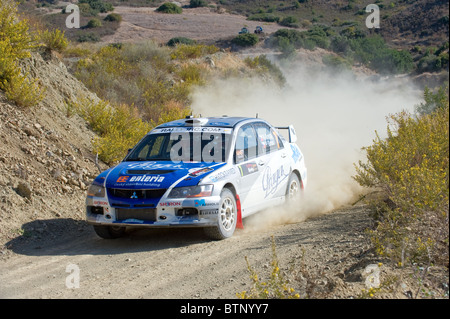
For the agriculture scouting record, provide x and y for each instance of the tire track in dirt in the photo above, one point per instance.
(164, 263)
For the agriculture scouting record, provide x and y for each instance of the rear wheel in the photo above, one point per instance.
(109, 232)
(227, 217)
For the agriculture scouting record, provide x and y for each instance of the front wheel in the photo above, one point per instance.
(109, 232)
(227, 217)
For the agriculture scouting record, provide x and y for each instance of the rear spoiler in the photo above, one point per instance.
(291, 131)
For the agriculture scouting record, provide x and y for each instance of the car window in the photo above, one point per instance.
(246, 144)
(268, 140)
(206, 147)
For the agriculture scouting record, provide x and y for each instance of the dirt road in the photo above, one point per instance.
(183, 263)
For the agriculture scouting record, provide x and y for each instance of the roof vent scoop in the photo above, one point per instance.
(196, 121)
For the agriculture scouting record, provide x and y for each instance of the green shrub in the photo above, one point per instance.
(88, 37)
(98, 5)
(373, 52)
(180, 40)
(245, 40)
(261, 62)
(94, 23)
(336, 63)
(197, 3)
(410, 169)
(113, 17)
(169, 7)
(289, 21)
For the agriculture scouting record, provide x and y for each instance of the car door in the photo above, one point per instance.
(245, 156)
(272, 163)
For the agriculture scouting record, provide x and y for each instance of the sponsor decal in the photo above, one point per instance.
(147, 178)
(270, 181)
(199, 202)
(248, 168)
(209, 212)
(154, 165)
(141, 178)
(223, 174)
(295, 153)
(100, 203)
(202, 202)
(195, 172)
(122, 179)
(170, 204)
(192, 129)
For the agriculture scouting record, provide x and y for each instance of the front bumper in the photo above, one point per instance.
(188, 212)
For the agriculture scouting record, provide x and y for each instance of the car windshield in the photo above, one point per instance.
(185, 147)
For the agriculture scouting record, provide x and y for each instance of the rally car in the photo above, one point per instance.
(198, 172)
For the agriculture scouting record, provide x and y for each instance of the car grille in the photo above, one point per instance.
(137, 193)
(145, 214)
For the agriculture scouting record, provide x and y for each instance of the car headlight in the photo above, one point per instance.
(96, 190)
(191, 191)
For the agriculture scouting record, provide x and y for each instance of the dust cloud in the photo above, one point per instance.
(335, 115)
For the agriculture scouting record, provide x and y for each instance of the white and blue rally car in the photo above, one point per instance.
(198, 172)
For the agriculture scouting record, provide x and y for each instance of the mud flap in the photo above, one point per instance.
(239, 223)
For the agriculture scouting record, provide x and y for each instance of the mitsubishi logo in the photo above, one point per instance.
(134, 195)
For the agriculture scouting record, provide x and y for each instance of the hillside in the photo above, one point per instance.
(46, 160)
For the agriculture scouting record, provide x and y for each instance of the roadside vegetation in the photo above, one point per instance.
(409, 172)
(16, 44)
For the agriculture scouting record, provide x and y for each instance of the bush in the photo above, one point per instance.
(245, 40)
(180, 40)
(113, 17)
(336, 63)
(16, 44)
(410, 169)
(94, 23)
(169, 7)
(289, 22)
(316, 36)
(119, 127)
(54, 40)
(98, 5)
(374, 52)
(262, 63)
(186, 51)
(197, 3)
(88, 37)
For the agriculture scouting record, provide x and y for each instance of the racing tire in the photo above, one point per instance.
(226, 219)
(109, 232)
(294, 190)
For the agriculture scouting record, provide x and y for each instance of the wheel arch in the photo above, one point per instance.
(231, 187)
